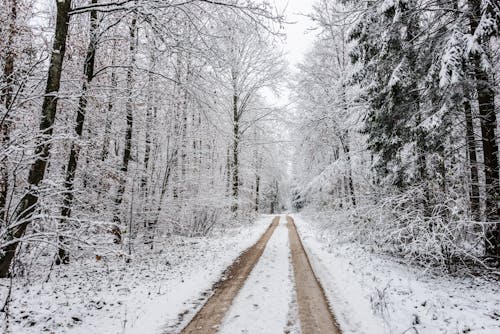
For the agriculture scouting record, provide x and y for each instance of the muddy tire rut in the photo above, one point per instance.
(314, 312)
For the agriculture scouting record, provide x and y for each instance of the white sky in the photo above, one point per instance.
(298, 39)
(298, 42)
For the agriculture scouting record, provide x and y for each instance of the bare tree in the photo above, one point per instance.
(29, 201)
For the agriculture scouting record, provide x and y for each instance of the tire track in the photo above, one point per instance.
(210, 316)
(314, 312)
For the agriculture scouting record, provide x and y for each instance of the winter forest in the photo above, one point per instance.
(163, 160)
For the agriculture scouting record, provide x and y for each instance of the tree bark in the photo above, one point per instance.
(236, 142)
(27, 206)
(68, 195)
(108, 123)
(7, 99)
(235, 162)
(350, 183)
(127, 152)
(344, 139)
(147, 143)
(471, 149)
(486, 100)
(257, 192)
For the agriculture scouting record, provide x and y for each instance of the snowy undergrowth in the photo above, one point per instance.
(109, 295)
(374, 293)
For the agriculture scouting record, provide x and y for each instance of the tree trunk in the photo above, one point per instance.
(147, 143)
(26, 207)
(177, 128)
(471, 149)
(228, 171)
(350, 183)
(68, 196)
(421, 147)
(7, 99)
(486, 100)
(236, 142)
(108, 123)
(257, 192)
(164, 186)
(235, 162)
(128, 133)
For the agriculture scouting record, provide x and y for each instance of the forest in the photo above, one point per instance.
(401, 131)
(143, 139)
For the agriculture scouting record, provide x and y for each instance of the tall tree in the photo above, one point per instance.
(29, 201)
(484, 19)
(129, 109)
(88, 72)
(6, 99)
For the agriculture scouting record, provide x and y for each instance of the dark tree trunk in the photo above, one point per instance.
(274, 197)
(471, 149)
(68, 196)
(164, 187)
(349, 183)
(340, 193)
(415, 106)
(26, 207)
(147, 150)
(257, 192)
(127, 152)
(7, 99)
(486, 101)
(344, 138)
(421, 147)
(236, 142)
(109, 119)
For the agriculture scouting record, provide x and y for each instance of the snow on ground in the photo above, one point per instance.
(372, 293)
(262, 305)
(111, 296)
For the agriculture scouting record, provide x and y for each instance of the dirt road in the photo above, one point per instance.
(313, 310)
(209, 318)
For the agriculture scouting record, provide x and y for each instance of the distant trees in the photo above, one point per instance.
(249, 63)
(328, 130)
(422, 82)
(133, 137)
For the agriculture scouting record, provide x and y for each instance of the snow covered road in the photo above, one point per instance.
(300, 279)
(267, 300)
(262, 304)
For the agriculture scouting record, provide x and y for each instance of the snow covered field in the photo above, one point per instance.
(110, 296)
(371, 293)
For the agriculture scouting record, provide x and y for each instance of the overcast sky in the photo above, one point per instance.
(298, 40)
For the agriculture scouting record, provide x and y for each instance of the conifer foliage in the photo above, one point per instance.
(422, 86)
